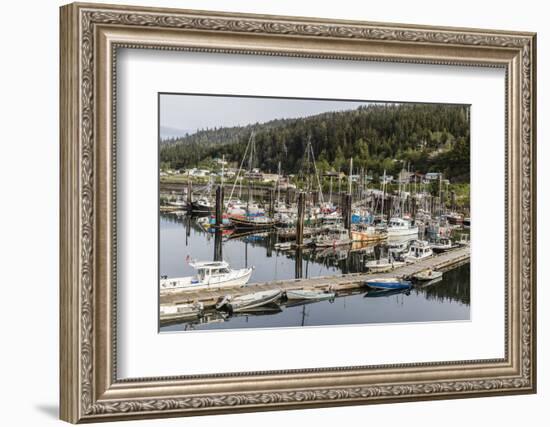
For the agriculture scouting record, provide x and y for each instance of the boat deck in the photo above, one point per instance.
(442, 262)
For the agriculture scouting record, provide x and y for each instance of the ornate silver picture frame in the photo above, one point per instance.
(90, 36)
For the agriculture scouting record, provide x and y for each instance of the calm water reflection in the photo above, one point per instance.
(182, 240)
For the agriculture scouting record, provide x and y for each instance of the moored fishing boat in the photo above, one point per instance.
(202, 205)
(336, 237)
(455, 218)
(398, 227)
(290, 233)
(443, 245)
(419, 250)
(252, 221)
(210, 275)
(179, 203)
(391, 283)
(368, 234)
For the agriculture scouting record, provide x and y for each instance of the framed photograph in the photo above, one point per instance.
(267, 212)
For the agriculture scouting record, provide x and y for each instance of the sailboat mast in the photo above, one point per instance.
(223, 163)
(316, 175)
(279, 183)
(350, 173)
(383, 192)
(241, 167)
(440, 197)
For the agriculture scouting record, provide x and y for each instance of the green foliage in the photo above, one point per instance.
(382, 136)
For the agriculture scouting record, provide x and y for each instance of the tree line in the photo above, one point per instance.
(428, 137)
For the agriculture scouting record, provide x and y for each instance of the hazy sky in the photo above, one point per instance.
(180, 114)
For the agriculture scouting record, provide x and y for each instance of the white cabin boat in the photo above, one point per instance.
(443, 245)
(401, 227)
(202, 205)
(419, 249)
(179, 203)
(210, 275)
(398, 245)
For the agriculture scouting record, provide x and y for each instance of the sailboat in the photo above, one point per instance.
(248, 215)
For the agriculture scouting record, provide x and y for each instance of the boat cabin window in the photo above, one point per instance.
(219, 271)
(201, 273)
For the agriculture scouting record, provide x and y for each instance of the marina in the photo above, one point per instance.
(266, 229)
(332, 274)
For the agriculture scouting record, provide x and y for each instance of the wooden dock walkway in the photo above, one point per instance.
(209, 297)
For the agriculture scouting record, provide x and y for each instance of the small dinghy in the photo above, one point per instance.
(382, 265)
(248, 301)
(391, 283)
(309, 294)
(427, 275)
(181, 311)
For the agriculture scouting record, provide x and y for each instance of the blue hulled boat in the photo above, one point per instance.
(388, 284)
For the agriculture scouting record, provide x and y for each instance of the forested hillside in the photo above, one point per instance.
(380, 136)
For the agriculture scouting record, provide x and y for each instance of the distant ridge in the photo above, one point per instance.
(167, 133)
(377, 136)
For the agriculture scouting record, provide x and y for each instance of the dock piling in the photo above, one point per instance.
(271, 210)
(219, 206)
(300, 220)
(347, 212)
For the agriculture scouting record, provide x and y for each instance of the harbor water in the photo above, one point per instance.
(182, 240)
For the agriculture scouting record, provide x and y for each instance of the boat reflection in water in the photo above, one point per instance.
(182, 240)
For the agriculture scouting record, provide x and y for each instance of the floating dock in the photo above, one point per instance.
(208, 297)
